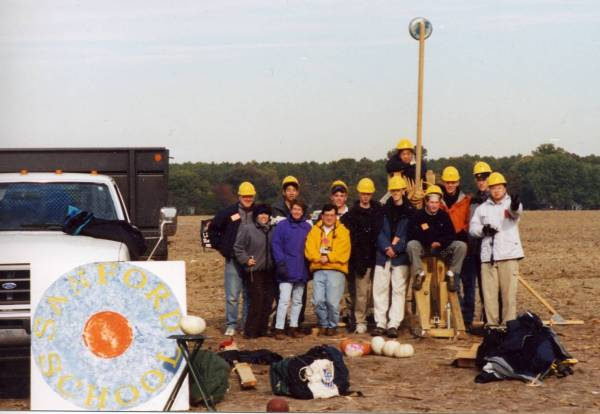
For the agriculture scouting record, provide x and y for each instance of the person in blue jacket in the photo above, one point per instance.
(391, 261)
(287, 245)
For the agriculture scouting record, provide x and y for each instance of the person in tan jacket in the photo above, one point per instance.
(327, 250)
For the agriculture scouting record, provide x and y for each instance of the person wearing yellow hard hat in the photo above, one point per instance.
(472, 263)
(496, 222)
(222, 232)
(364, 222)
(458, 206)
(455, 202)
(391, 261)
(402, 160)
(290, 189)
(431, 232)
(338, 195)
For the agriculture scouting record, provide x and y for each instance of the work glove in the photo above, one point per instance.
(488, 230)
(515, 200)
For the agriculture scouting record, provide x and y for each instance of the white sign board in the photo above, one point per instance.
(99, 335)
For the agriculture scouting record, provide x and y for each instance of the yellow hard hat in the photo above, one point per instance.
(405, 143)
(433, 189)
(246, 189)
(366, 185)
(290, 179)
(450, 174)
(481, 167)
(496, 178)
(397, 182)
(338, 183)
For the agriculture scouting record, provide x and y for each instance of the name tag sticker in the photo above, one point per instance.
(235, 217)
(425, 226)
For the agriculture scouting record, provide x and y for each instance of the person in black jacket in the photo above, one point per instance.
(364, 220)
(290, 190)
(431, 232)
(222, 233)
(472, 263)
(402, 161)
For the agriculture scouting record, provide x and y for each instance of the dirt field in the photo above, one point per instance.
(562, 262)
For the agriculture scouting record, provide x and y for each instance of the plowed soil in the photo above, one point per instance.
(562, 263)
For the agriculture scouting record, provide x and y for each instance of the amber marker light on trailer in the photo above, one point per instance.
(23, 172)
(158, 157)
(94, 172)
(58, 172)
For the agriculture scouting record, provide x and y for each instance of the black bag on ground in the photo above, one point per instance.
(84, 223)
(526, 350)
(286, 378)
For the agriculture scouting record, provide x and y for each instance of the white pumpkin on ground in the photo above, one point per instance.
(377, 344)
(192, 325)
(390, 348)
(404, 351)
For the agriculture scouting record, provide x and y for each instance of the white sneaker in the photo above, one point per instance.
(361, 328)
(230, 331)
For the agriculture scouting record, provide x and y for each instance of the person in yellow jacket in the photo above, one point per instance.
(327, 250)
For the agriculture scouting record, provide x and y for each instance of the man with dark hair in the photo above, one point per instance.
(364, 220)
(328, 252)
(402, 162)
(339, 196)
(290, 188)
(472, 263)
(222, 233)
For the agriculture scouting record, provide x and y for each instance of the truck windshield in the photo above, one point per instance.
(43, 206)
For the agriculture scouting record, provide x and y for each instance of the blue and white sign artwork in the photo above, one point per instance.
(99, 336)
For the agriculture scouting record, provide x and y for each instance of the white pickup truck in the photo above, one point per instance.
(33, 207)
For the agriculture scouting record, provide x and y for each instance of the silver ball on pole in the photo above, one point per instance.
(414, 27)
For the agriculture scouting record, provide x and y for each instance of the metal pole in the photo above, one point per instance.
(419, 154)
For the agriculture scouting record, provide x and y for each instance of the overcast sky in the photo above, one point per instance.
(299, 80)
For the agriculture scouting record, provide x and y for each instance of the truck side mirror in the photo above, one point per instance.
(168, 220)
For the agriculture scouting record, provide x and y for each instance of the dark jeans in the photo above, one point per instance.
(471, 272)
(261, 293)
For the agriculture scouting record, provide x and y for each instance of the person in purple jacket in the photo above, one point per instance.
(287, 247)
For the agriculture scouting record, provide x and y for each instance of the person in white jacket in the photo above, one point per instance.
(497, 221)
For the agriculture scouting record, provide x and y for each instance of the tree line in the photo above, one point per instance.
(548, 178)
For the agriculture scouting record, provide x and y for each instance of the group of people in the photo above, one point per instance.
(368, 252)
